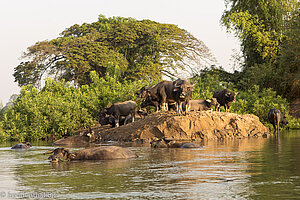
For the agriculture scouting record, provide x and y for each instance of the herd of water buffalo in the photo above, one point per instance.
(175, 95)
(164, 96)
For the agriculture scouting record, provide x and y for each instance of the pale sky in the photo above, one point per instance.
(25, 22)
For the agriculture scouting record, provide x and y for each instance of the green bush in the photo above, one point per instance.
(59, 108)
(205, 86)
(49, 114)
(259, 102)
(254, 100)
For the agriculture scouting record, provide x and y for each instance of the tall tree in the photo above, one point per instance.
(258, 24)
(290, 58)
(139, 49)
(263, 29)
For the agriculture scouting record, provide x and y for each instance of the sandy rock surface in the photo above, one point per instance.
(195, 126)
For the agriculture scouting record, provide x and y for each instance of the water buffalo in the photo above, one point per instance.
(112, 121)
(276, 118)
(201, 105)
(165, 143)
(22, 145)
(121, 109)
(82, 139)
(167, 92)
(224, 98)
(95, 153)
(141, 93)
(149, 102)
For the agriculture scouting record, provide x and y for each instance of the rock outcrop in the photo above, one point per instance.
(195, 126)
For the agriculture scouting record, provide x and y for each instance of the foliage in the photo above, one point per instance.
(259, 101)
(141, 49)
(269, 34)
(258, 25)
(208, 81)
(290, 59)
(255, 100)
(59, 108)
(259, 44)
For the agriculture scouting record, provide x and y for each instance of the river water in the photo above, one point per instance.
(256, 168)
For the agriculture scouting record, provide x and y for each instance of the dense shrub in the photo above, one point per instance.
(59, 108)
(255, 100)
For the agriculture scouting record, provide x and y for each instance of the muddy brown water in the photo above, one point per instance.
(256, 168)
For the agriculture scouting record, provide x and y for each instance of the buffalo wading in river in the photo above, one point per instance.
(96, 153)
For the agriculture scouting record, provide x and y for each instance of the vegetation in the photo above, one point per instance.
(140, 49)
(254, 100)
(269, 34)
(94, 65)
(59, 108)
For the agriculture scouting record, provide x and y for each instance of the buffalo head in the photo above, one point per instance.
(142, 92)
(183, 87)
(22, 145)
(60, 154)
(213, 102)
(160, 143)
(230, 96)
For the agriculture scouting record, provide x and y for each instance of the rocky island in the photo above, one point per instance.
(195, 126)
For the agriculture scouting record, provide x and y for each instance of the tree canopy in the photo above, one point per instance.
(259, 25)
(138, 49)
(268, 31)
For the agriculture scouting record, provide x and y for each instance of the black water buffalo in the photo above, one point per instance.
(141, 93)
(22, 145)
(276, 118)
(95, 153)
(83, 139)
(112, 121)
(149, 102)
(224, 98)
(121, 109)
(168, 92)
(164, 143)
(201, 105)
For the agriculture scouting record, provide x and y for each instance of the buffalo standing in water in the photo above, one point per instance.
(96, 153)
(276, 118)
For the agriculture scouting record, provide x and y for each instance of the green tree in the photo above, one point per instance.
(290, 58)
(141, 49)
(261, 27)
(258, 24)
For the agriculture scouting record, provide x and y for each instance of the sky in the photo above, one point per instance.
(23, 23)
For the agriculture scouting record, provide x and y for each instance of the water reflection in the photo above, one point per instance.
(256, 168)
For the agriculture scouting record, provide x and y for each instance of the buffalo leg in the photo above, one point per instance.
(217, 107)
(117, 121)
(274, 129)
(133, 116)
(277, 127)
(127, 118)
(226, 108)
